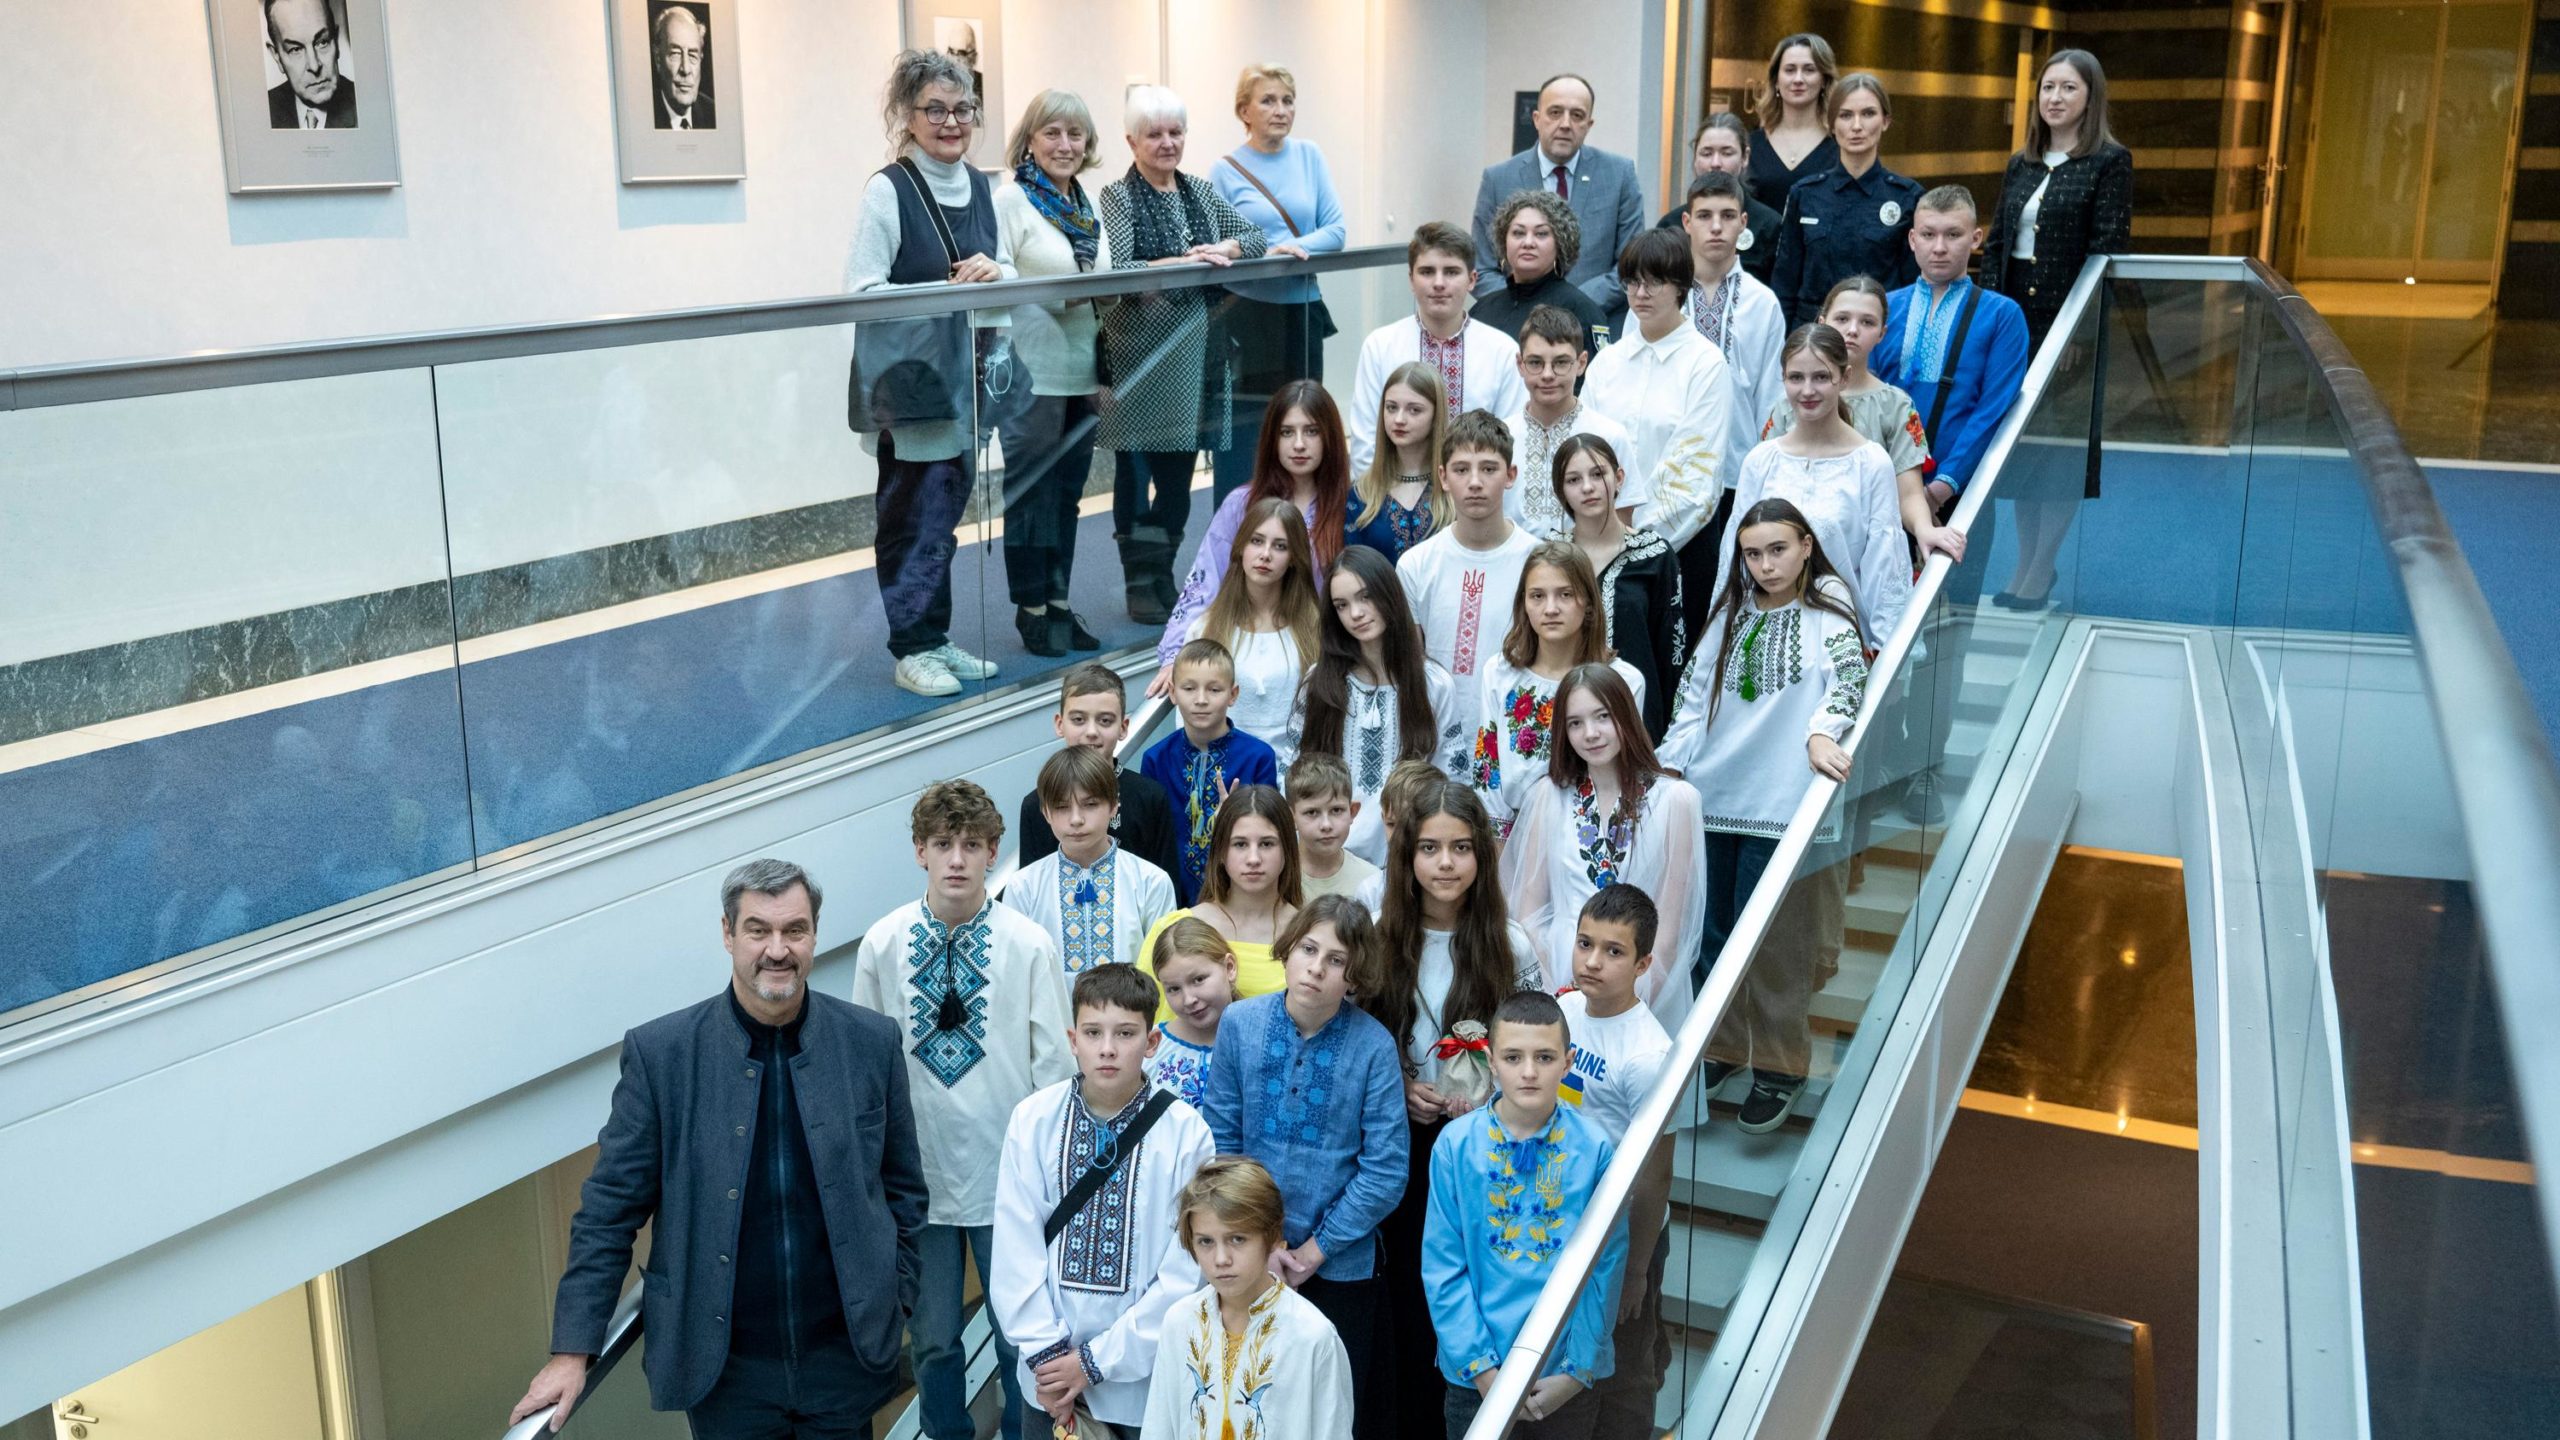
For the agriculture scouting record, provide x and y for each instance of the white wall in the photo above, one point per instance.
(511, 211)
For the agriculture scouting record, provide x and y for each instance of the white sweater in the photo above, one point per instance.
(1054, 341)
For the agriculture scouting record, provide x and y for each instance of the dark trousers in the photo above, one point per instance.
(1275, 344)
(1698, 577)
(1150, 508)
(1410, 1371)
(1048, 452)
(1459, 1404)
(920, 505)
(823, 1395)
(1353, 1306)
(1734, 863)
(1642, 1348)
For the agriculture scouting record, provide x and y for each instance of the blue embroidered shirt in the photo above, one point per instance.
(1988, 373)
(1500, 1212)
(1193, 778)
(1323, 1113)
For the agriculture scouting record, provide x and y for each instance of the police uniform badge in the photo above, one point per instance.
(1743, 243)
(1890, 212)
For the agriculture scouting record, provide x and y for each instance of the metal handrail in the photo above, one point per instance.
(2506, 783)
(620, 1338)
(1528, 1352)
(82, 384)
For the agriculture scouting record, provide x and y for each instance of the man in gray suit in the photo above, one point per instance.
(1601, 187)
(766, 1131)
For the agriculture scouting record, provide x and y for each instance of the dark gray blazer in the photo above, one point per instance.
(675, 1149)
(1605, 197)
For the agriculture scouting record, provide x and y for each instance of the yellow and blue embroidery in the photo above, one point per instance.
(1524, 1195)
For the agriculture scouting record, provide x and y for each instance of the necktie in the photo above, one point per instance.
(1564, 191)
(684, 122)
(312, 119)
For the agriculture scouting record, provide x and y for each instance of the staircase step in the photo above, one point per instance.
(1703, 1270)
(1717, 1167)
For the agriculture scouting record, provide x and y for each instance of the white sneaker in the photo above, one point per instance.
(925, 674)
(961, 663)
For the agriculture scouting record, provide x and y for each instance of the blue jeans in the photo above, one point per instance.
(942, 1367)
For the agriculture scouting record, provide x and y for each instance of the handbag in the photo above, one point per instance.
(1325, 328)
(905, 372)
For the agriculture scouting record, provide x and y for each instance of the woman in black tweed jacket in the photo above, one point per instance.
(2066, 197)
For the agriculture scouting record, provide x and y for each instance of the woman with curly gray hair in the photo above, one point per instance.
(1540, 240)
(928, 218)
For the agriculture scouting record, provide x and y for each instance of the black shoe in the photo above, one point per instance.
(1168, 589)
(1771, 1097)
(1078, 637)
(1713, 1074)
(1144, 607)
(1040, 632)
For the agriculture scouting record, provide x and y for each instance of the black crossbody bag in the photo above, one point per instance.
(1081, 1193)
(1946, 384)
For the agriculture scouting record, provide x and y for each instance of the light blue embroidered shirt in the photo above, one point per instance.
(1500, 1212)
(1323, 1113)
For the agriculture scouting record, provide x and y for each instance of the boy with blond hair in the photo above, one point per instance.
(1321, 803)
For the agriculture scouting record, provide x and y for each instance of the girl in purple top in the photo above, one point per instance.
(1302, 458)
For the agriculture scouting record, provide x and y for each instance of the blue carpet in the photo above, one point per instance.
(124, 857)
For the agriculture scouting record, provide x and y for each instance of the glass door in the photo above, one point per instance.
(2413, 140)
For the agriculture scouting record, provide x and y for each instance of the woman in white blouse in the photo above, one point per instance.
(1049, 223)
(1840, 479)
(1556, 623)
(1266, 614)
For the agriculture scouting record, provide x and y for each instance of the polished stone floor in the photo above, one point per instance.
(2476, 389)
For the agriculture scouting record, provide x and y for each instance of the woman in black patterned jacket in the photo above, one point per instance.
(2066, 197)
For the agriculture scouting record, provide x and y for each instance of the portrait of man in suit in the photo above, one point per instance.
(680, 67)
(308, 40)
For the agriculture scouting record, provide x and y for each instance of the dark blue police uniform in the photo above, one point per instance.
(1837, 225)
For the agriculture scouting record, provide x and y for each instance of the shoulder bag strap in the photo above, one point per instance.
(1947, 365)
(1255, 181)
(1082, 1192)
(932, 208)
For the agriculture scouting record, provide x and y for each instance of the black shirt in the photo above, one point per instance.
(1770, 178)
(1144, 825)
(786, 1300)
(1757, 251)
(1508, 308)
(1837, 225)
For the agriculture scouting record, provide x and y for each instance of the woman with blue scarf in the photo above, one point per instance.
(1049, 222)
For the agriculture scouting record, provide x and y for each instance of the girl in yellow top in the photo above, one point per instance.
(1252, 889)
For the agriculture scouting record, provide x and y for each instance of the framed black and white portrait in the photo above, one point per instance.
(675, 91)
(968, 31)
(305, 92)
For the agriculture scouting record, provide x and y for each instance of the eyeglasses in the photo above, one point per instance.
(1649, 285)
(966, 113)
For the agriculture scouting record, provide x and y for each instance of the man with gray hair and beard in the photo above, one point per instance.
(766, 1131)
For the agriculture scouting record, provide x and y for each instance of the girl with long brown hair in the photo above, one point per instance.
(1771, 694)
(1612, 813)
(1301, 458)
(1251, 892)
(1398, 501)
(1833, 471)
(1267, 615)
(1373, 697)
(1556, 624)
(1451, 953)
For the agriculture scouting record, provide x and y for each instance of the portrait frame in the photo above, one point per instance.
(274, 140)
(947, 25)
(652, 147)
